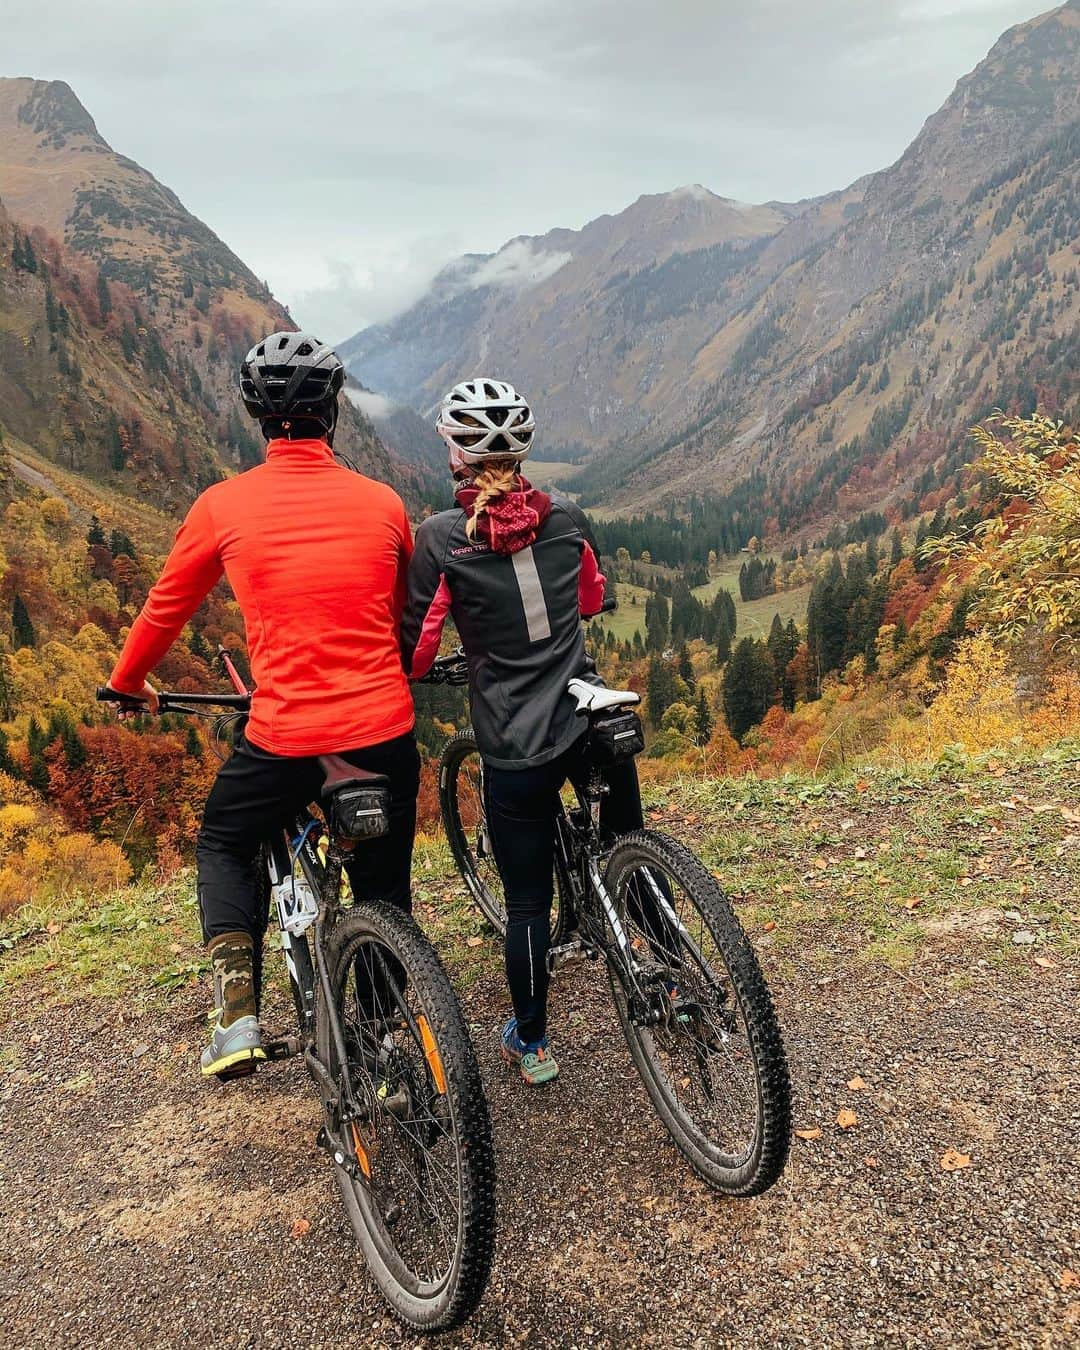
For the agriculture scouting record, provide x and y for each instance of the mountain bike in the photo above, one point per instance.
(380, 1031)
(688, 990)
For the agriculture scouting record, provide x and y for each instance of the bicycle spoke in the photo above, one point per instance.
(696, 1052)
(416, 1192)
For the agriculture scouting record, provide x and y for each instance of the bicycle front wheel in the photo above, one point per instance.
(698, 1016)
(421, 1198)
(464, 817)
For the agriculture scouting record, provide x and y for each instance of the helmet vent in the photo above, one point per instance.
(491, 391)
(283, 342)
(305, 349)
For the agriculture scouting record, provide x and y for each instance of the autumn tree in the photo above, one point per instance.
(1024, 561)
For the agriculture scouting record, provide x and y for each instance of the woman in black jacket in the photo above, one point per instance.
(517, 570)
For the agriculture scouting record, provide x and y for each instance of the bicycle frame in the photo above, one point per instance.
(592, 912)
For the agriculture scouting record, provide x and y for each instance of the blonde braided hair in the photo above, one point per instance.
(495, 480)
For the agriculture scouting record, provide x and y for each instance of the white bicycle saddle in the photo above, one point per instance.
(595, 697)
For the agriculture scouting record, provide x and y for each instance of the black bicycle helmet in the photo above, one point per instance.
(290, 378)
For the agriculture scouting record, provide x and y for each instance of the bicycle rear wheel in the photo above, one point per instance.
(423, 1210)
(713, 1060)
(464, 817)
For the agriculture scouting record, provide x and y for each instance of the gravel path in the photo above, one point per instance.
(140, 1206)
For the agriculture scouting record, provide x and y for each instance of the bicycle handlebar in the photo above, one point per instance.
(174, 702)
(452, 669)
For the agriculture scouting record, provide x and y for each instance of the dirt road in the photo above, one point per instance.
(143, 1207)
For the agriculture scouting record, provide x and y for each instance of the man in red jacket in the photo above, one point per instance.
(316, 556)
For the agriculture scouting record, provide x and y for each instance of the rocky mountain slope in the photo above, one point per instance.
(558, 311)
(122, 316)
(837, 349)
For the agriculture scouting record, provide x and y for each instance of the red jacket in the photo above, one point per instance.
(317, 557)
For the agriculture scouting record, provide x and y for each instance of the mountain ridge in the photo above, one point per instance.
(682, 377)
(157, 312)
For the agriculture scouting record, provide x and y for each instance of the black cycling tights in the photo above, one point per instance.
(257, 792)
(521, 819)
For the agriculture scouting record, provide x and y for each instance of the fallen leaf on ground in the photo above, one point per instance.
(860, 853)
(300, 1227)
(1068, 1279)
(808, 1134)
(952, 1160)
(861, 784)
(53, 928)
(768, 925)
(473, 941)
(1046, 963)
(856, 1084)
(846, 1119)
(870, 1161)
(966, 881)
(913, 902)
(820, 864)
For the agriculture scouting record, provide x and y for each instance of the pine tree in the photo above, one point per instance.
(897, 550)
(95, 535)
(703, 719)
(661, 689)
(749, 680)
(120, 543)
(686, 667)
(103, 296)
(193, 745)
(7, 764)
(199, 647)
(22, 630)
(74, 750)
(657, 623)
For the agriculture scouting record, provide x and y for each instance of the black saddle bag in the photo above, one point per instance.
(616, 736)
(360, 811)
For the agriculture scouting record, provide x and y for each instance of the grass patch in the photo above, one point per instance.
(142, 941)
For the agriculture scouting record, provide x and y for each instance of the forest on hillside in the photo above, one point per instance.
(959, 633)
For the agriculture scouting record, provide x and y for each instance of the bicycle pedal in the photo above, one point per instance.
(558, 957)
(283, 1048)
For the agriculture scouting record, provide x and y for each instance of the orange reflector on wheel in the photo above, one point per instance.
(431, 1054)
(361, 1152)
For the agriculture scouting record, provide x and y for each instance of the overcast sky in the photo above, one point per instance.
(345, 149)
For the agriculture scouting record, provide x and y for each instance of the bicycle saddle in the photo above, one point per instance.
(339, 773)
(593, 698)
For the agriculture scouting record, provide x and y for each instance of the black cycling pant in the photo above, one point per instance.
(257, 793)
(520, 808)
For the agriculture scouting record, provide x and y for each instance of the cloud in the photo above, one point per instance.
(376, 406)
(517, 266)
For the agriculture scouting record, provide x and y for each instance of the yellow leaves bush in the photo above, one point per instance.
(1025, 560)
(38, 861)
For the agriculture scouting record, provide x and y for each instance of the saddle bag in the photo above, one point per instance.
(360, 811)
(616, 736)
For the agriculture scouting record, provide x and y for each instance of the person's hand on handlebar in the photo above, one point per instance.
(148, 694)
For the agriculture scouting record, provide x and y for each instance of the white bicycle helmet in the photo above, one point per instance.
(484, 419)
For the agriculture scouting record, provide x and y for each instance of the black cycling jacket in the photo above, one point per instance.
(519, 619)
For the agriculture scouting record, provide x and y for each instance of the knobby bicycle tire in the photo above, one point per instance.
(772, 1135)
(456, 1296)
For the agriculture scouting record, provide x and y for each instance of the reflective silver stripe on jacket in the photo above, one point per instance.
(532, 595)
